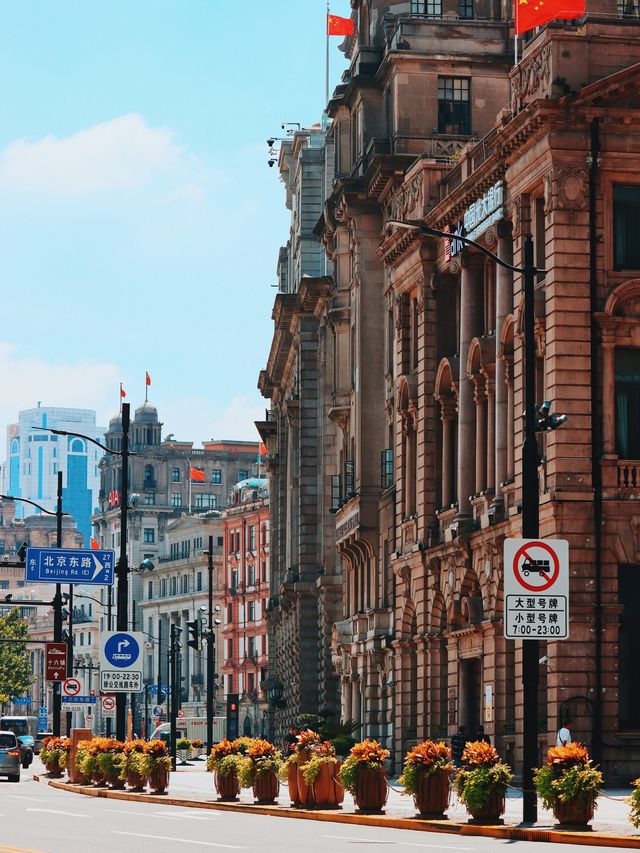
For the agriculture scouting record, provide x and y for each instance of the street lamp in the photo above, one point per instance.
(57, 598)
(212, 622)
(535, 419)
(122, 568)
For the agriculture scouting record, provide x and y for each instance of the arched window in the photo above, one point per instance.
(15, 446)
(76, 445)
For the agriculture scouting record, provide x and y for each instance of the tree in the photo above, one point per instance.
(15, 664)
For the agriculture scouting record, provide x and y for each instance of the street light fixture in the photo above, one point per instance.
(122, 568)
(535, 419)
(57, 598)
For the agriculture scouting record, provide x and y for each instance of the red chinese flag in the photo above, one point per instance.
(196, 475)
(534, 13)
(337, 26)
(123, 393)
(148, 379)
(262, 449)
(95, 545)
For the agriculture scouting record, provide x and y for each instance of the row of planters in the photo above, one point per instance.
(189, 749)
(107, 761)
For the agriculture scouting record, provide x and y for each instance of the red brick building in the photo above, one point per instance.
(246, 592)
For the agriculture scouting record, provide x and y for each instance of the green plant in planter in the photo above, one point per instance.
(481, 776)
(183, 744)
(368, 754)
(322, 753)
(262, 757)
(426, 757)
(111, 761)
(227, 757)
(634, 802)
(568, 777)
(343, 744)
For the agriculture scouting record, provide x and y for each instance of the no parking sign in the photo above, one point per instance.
(536, 589)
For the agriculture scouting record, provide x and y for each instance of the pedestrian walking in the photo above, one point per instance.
(458, 742)
(290, 740)
(564, 735)
(482, 735)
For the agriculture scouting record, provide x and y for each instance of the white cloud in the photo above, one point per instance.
(119, 154)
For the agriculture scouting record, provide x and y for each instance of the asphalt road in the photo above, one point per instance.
(35, 817)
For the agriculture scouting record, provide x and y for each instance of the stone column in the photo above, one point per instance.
(481, 432)
(508, 378)
(608, 398)
(490, 391)
(471, 313)
(504, 307)
(447, 413)
(347, 700)
(356, 705)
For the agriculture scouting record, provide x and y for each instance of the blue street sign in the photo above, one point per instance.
(78, 700)
(61, 565)
(43, 710)
(21, 700)
(43, 722)
(121, 650)
(153, 690)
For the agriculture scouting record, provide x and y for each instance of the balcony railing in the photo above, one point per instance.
(629, 474)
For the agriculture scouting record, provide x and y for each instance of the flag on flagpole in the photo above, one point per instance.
(262, 450)
(196, 475)
(337, 26)
(148, 379)
(94, 544)
(123, 393)
(534, 13)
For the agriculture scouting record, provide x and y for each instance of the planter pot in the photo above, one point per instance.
(491, 811)
(98, 778)
(338, 787)
(305, 794)
(136, 781)
(292, 782)
(371, 789)
(183, 755)
(574, 813)
(326, 791)
(53, 766)
(266, 787)
(228, 787)
(159, 780)
(432, 794)
(117, 784)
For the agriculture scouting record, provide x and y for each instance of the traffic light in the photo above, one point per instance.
(193, 629)
(233, 715)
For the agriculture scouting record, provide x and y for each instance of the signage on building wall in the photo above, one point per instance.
(536, 589)
(480, 214)
(113, 498)
(70, 565)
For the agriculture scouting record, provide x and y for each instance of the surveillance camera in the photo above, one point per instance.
(270, 142)
(146, 566)
(203, 607)
(544, 409)
(271, 162)
(134, 500)
(217, 608)
(217, 622)
(544, 659)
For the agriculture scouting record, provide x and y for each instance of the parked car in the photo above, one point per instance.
(9, 756)
(26, 743)
(39, 738)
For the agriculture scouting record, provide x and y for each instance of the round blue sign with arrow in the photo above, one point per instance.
(122, 650)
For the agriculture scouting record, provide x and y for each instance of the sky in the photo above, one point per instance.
(139, 221)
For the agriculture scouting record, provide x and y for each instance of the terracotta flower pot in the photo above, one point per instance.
(338, 787)
(159, 779)
(492, 809)
(53, 766)
(326, 790)
(98, 777)
(371, 789)
(266, 787)
(432, 794)
(136, 781)
(228, 787)
(292, 783)
(574, 813)
(305, 794)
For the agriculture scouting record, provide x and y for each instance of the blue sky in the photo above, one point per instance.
(139, 222)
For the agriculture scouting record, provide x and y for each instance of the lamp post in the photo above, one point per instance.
(211, 650)
(530, 498)
(57, 598)
(122, 568)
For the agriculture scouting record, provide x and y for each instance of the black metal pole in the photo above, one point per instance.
(159, 694)
(70, 653)
(530, 530)
(211, 661)
(109, 625)
(122, 570)
(173, 657)
(133, 695)
(57, 611)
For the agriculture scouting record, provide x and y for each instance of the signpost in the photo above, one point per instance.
(121, 661)
(73, 695)
(88, 718)
(108, 706)
(157, 711)
(55, 661)
(536, 589)
(62, 565)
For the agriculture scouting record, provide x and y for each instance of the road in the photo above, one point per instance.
(35, 817)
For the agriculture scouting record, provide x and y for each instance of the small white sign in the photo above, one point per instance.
(536, 589)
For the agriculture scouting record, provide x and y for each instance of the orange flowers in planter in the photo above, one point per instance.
(479, 754)
(572, 753)
(222, 749)
(261, 749)
(307, 739)
(156, 748)
(369, 752)
(428, 754)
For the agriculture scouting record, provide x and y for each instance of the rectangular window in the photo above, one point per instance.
(230, 649)
(628, 9)
(243, 475)
(229, 614)
(176, 499)
(149, 535)
(234, 579)
(149, 499)
(251, 575)
(465, 9)
(430, 8)
(251, 615)
(627, 402)
(454, 106)
(251, 651)
(185, 584)
(626, 214)
(199, 582)
(216, 476)
(386, 468)
(163, 588)
(175, 475)
(174, 586)
(629, 646)
(149, 590)
(252, 537)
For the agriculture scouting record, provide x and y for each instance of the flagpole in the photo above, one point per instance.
(189, 508)
(326, 79)
(515, 48)
(121, 398)
(146, 389)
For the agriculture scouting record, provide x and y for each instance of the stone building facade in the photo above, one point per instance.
(431, 123)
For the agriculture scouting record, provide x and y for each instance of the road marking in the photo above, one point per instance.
(403, 843)
(178, 816)
(18, 797)
(57, 811)
(179, 840)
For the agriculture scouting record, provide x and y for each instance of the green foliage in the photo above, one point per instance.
(475, 786)
(183, 744)
(311, 769)
(228, 765)
(111, 764)
(136, 762)
(343, 744)
(575, 783)
(328, 728)
(409, 778)
(634, 802)
(15, 665)
(349, 773)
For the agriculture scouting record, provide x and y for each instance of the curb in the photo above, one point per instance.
(515, 833)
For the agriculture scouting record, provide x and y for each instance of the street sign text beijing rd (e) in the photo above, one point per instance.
(121, 661)
(536, 589)
(60, 565)
(56, 661)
